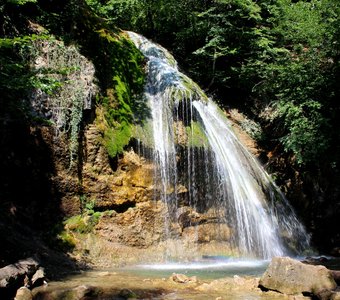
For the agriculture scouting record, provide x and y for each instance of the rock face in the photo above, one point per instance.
(292, 277)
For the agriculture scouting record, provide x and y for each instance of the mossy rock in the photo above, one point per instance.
(82, 223)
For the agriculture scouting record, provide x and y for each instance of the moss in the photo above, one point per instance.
(193, 90)
(83, 223)
(59, 238)
(122, 103)
(118, 63)
(196, 135)
(66, 241)
(75, 223)
(144, 133)
(115, 139)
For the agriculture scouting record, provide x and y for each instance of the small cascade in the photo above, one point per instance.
(197, 154)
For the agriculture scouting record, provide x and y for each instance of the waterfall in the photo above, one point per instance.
(195, 149)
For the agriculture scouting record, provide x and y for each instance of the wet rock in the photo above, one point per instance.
(292, 277)
(181, 278)
(127, 294)
(235, 284)
(82, 292)
(23, 294)
(205, 233)
(315, 260)
(130, 183)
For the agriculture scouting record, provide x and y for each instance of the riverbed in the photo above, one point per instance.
(209, 279)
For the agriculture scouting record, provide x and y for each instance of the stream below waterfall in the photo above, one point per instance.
(224, 280)
(210, 278)
(216, 278)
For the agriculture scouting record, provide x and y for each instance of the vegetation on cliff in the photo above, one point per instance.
(276, 60)
(48, 63)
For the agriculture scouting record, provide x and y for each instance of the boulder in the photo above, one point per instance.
(23, 294)
(18, 274)
(181, 278)
(292, 277)
(336, 276)
(82, 292)
(127, 294)
(38, 278)
(335, 295)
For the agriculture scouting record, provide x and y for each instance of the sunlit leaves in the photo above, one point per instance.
(21, 2)
(269, 52)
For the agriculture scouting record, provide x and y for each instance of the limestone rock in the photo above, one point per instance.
(181, 278)
(23, 294)
(335, 295)
(234, 284)
(205, 233)
(336, 276)
(38, 277)
(16, 275)
(292, 277)
(137, 227)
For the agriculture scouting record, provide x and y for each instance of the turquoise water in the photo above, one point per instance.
(151, 281)
(205, 269)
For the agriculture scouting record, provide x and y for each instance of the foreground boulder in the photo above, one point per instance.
(23, 273)
(289, 276)
(82, 292)
(23, 294)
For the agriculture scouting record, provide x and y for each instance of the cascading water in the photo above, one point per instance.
(220, 176)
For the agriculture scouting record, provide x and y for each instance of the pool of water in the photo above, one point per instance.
(212, 268)
(215, 280)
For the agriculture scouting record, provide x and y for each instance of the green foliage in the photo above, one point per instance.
(115, 139)
(83, 223)
(17, 75)
(65, 241)
(60, 239)
(306, 137)
(278, 53)
(295, 79)
(58, 79)
(21, 2)
(123, 105)
(253, 129)
(299, 23)
(119, 68)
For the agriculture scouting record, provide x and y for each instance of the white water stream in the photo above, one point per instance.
(224, 176)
